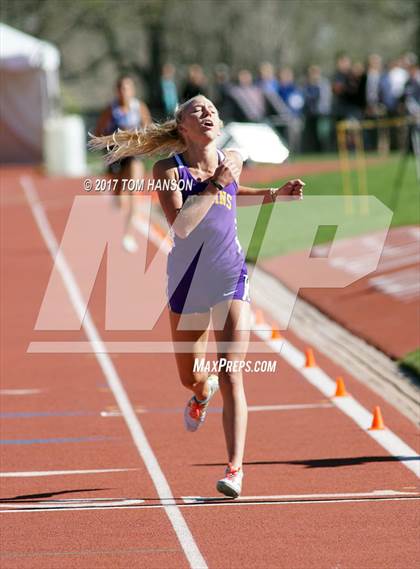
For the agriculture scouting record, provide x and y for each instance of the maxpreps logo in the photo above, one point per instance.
(201, 365)
(90, 257)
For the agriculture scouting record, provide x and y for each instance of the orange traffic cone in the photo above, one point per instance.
(377, 422)
(340, 390)
(259, 317)
(275, 333)
(310, 358)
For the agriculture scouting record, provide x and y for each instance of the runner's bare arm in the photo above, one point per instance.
(103, 122)
(292, 190)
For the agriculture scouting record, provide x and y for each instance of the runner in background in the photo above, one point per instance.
(126, 112)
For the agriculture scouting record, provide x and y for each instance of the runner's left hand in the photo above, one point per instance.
(292, 190)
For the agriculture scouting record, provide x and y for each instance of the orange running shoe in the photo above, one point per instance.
(196, 411)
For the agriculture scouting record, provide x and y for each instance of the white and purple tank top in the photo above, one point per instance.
(215, 237)
(125, 120)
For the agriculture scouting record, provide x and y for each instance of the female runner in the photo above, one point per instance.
(126, 112)
(207, 275)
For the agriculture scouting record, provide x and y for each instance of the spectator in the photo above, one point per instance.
(398, 76)
(411, 106)
(289, 92)
(385, 95)
(249, 98)
(375, 86)
(168, 90)
(411, 93)
(196, 83)
(267, 80)
(223, 92)
(357, 89)
(294, 101)
(317, 108)
(375, 91)
(344, 88)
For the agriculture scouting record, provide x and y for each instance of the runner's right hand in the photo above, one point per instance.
(226, 172)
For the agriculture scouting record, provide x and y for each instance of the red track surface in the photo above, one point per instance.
(386, 319)
(306, 451)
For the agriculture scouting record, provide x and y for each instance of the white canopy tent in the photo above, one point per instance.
(29, 90)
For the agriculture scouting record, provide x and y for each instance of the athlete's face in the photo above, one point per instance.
(200, 120)
(126, 90)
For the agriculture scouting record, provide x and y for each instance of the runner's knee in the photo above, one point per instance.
(191, 379)
(230, 379)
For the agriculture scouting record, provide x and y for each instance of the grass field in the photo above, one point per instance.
(297, 225)
(291, 226)
(412, 362)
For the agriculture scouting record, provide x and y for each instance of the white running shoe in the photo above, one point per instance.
(195, 412)
(231, 484)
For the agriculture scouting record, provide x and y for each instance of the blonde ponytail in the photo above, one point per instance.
(155, 139)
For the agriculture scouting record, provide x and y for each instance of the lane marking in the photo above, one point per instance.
(55, 440)
(348, 405)
(71, 505)
(125, 551)
(319, 379)
(403, 250)
(20, 391)
(402, 285)
(128, 347)
(58, 501)
(36, 474)
(32, 414)
(251, 409)
(210, 503)
(289, 407)
(282, 497)
(184, 535)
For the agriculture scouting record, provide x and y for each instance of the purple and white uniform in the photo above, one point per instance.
(208, 266)
(124, 120)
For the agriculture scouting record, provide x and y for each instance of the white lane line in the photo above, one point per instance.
(211, 503)
(317, 377)
(36, 474)
(143, 347)
(251, 409)
(19, 391)
(70, 505)
(86, 552)
(280, 497)
(352, 408)
(185, 537)
(289, 407)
